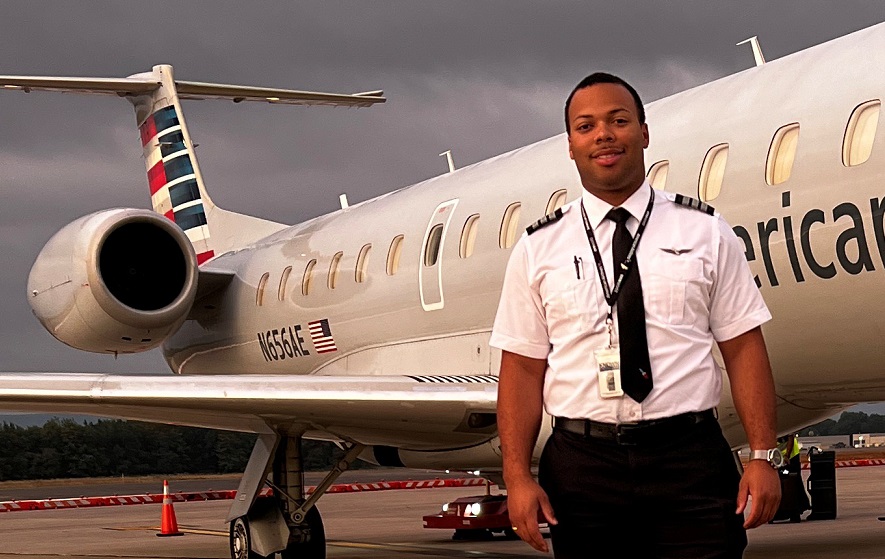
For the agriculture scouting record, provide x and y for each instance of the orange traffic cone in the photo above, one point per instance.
(168, 524)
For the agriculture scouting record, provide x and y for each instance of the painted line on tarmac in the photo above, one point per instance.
(182, 529)
(424, 550)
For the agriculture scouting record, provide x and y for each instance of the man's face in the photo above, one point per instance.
(607, 141)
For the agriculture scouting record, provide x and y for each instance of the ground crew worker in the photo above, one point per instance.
(791, 448)
(794, 499)
(608, 314)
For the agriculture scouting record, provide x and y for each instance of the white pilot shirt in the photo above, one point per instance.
(697, 288)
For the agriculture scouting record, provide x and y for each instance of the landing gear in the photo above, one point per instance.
(305, 541)
(240, 540)
(310, 543)
(288, 522)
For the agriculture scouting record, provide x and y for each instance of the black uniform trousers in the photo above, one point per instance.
(659, 499)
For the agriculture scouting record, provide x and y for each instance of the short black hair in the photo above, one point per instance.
(602, 77)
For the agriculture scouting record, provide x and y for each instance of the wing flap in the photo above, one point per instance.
(396, 411)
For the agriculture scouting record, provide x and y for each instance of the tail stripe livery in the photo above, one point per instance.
(169, 169)
(158, 122)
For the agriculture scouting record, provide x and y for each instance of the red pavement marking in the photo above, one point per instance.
(157, 498)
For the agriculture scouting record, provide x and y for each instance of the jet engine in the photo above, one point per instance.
(116, 281)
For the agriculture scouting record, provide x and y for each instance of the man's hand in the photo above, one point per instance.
(759, 482)
(523, 501)
(520, 389)
(752, 389)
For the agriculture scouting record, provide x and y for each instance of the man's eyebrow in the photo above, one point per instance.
(622, 109)
(610, 113)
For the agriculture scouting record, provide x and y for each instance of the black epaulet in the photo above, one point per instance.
(545, 221)
(694, 204)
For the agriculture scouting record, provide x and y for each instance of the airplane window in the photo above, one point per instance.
(857, 146)
(334, 268)
(556, 201)
(509, 225)
(712, 173)
(362, 262)
(281, 293)
(259, 296)
(468, 236)
(396, 248)
(657, 174)
(307, 280)
(781, 154)
(431, 252)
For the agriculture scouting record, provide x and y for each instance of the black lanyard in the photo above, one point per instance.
(611, 295)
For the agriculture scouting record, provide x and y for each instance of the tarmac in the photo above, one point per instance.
(388, 524)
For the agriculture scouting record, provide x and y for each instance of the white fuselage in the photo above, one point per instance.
(822, 284)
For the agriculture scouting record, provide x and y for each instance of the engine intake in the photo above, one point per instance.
(116, 281)
(141, 265)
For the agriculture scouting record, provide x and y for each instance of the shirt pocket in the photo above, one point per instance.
(667, 280)
(572, 304)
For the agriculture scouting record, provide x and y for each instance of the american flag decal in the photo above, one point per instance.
(321, 335)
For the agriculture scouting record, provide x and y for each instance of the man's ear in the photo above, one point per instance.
(571, 154)
(644, 135)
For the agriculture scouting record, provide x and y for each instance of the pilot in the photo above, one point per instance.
(607, 319)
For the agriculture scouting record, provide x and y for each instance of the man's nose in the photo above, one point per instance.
(603, 133)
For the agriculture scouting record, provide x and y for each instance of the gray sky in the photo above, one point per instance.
(477, 77)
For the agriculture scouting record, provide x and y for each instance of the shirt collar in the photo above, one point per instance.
(597, 209)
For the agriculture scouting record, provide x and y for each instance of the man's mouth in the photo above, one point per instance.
(608, 156)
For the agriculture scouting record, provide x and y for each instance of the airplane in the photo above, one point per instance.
(369, 326)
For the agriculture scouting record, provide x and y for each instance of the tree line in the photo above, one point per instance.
(66, 448)
(849, 423)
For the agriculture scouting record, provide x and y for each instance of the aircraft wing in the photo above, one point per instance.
(144, 84)
(410, 412)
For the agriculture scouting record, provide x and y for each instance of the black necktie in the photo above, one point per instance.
(635, 365)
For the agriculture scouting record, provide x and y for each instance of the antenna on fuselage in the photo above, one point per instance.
(449, 160)
(757, 50)
(343, 200)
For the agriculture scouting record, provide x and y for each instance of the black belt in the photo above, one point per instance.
(642, 432)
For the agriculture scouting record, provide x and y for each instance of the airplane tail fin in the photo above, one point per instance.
(176, 184)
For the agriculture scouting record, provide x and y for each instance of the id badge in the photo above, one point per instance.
(608, 362)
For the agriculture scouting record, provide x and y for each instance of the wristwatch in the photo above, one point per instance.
(773, 456)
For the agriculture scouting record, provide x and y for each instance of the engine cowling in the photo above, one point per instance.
(116, 281)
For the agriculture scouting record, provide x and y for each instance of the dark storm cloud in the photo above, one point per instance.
(479, 77)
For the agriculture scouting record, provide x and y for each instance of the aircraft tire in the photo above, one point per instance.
(315, 547)
(241, 541)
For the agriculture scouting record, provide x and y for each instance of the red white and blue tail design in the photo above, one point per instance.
(177, 189)
(172, 179)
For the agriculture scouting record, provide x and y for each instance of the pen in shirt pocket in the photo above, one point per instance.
(579, 267)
